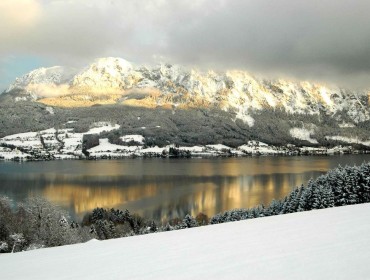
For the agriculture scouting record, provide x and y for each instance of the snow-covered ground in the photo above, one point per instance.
(256, 147)
(105, 147)
(72, 142)
(353, 140)
(67, 144)
(323, 244)
(303, 134)
(136, 138)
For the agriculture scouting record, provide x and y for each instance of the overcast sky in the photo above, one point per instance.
(327, 40)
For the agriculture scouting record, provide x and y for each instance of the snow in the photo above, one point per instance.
(137, 138)
(303, 134)
(244, 117)
(194, 149)
(325, 96)
(105, 128)
(235, 90)
(73, 144)
(48, 131)
(8, 155)
(218, 147)
(344, 125)
(25, 143)
(106, 147)
(72, 141)
(104, 75)
(154, 150)
(259, 150)
(349, 140)
(50, 110)
(324, 244)
(257, 143)
(62, 156)
(21, 136)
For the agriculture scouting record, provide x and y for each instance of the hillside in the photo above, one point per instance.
(322, 244)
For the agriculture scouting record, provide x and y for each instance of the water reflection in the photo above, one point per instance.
(164, 189)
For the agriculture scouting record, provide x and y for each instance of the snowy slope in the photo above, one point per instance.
(325, 244)
(104, 75)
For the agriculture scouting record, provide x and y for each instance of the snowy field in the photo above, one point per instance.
(324, 244)
(67, 144)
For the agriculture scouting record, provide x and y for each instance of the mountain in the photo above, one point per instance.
(171, 104)
(117, 81)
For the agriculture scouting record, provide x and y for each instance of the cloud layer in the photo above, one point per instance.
(316, 40)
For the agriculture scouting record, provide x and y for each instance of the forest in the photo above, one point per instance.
(163, 126)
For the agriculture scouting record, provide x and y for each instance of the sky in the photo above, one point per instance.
(307, 40)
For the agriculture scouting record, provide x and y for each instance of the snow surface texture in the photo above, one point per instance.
(324, 244)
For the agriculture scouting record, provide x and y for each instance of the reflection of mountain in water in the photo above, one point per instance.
(163, 189)
(163, 197)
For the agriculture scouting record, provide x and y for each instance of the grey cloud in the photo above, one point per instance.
(317, 40)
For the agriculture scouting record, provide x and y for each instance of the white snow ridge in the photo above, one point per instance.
(324, 244)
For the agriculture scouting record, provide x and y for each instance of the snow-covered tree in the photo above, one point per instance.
(188, 222)
(322, 198)
(49, 224)
(18, 241)
(274, 208)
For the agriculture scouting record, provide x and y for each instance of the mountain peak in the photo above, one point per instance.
(111, 62)
(54, 75)
(104, 74)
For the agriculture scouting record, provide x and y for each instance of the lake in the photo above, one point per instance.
(161, 189)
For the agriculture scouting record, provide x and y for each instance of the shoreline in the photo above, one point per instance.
(238, 154)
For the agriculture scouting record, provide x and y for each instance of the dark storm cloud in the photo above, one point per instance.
(317, 40)
(314, 40)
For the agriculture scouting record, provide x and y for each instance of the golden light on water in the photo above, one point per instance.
(209, 197)
(164, 189)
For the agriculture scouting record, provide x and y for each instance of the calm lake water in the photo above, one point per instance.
(165, 188)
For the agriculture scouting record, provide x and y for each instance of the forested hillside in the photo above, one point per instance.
(163, 126)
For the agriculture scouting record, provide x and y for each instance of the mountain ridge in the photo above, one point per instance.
(169, 104)
(117, 81)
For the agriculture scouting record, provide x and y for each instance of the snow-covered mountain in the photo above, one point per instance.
(115, 80)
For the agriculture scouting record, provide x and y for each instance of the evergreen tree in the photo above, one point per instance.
(322, 198)
(188, 222)
(274, 208)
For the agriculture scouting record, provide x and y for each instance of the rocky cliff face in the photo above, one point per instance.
(117, 81)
